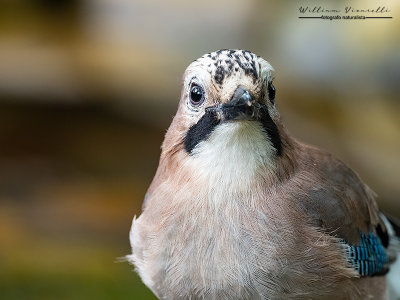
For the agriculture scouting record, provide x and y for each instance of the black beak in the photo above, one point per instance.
(241, 107)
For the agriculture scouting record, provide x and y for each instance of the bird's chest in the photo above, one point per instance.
(225, 251)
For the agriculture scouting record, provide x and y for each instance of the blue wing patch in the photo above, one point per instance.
(369, 256)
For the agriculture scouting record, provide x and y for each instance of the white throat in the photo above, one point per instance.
(233, 155)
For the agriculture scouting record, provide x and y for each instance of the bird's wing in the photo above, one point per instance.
(342, 205)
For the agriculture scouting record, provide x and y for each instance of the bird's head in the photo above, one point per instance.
(228, 98)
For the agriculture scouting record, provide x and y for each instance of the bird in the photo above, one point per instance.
(240, 209)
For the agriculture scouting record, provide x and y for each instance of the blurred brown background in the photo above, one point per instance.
(88, 88)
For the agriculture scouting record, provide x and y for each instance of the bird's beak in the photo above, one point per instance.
(240, 107)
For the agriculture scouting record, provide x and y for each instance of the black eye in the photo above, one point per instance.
(271, 92)
(196, 95)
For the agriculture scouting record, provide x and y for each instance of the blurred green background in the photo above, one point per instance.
(89, 87)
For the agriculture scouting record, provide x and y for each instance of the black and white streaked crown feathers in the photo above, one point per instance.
(224, 63)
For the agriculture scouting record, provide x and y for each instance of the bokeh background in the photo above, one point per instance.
(89, 87)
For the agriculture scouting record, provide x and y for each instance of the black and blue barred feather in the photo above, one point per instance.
(368, 257)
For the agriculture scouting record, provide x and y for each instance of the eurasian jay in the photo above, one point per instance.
(240, 209)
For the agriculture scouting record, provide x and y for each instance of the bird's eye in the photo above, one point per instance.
(271, 92)
(196, 95)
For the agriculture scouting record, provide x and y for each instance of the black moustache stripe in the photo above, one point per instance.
(272, 131)
(206, 125)
(201, 130)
